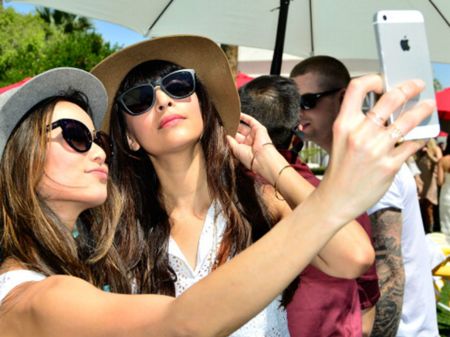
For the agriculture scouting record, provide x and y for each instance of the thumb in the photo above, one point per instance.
(233, 143)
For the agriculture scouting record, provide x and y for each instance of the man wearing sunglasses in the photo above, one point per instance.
(406, 306)
(322, 305)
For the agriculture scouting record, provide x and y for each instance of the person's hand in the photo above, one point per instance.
(365, 157)
(250, 137)
(253, 147)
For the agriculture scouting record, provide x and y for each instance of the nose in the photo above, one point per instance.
(97, 154)
(163, 101)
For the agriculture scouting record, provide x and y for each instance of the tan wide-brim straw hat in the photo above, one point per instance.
(188, 51)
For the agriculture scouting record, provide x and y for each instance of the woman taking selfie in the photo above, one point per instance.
(58, 262)
(190, 205)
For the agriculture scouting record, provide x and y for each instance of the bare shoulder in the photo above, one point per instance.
(48, 307)
(445, 163)
(28, 295)
(39, 305)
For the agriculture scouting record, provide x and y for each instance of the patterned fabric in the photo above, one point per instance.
(12, 279)
(271, 322)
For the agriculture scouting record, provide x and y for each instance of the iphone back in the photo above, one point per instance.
(403, 53)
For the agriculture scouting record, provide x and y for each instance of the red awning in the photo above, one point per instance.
(14, 85)
(242, 79)
(443, 103)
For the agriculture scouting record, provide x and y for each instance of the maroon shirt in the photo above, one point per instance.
(323, 305)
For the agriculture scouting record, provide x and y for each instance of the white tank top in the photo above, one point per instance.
(14, 278)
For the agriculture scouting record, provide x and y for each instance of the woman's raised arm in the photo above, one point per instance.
(364, 162)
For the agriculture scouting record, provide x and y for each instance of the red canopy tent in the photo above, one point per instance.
(242, 79)
(443, 107)
(443, 103)
(14, 85)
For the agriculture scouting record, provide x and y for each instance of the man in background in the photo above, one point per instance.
(407, 303)
(317, 304)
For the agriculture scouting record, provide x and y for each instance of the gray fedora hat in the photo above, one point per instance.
(16, 102)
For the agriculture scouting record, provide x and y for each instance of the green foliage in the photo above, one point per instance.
(319, 171)
(77, 49)
(307, 154)
(29, 45)
(443, 309)
(437, 85)
(69, 23)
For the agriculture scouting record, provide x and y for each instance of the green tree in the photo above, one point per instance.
(437, 85)
(78, 49)
(29, 45)
(69, 23)
(20, 48)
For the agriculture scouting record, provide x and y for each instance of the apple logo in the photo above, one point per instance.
(404, 44)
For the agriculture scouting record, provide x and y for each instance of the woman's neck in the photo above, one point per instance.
(67, 212)
(183, 180)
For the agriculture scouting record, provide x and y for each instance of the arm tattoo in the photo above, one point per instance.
(387, 230)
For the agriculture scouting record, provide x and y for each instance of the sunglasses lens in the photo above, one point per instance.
(179, 84)
(76, 134)
(308, 101)
(138, 100)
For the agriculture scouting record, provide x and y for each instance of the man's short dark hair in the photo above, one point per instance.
(332, 73)
(274, 102)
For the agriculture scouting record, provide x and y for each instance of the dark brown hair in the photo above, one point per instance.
(144, 232)
(332, 73)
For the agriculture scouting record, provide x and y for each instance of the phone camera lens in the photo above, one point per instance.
(384, 17)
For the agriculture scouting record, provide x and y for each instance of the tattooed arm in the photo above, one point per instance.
(387, 230)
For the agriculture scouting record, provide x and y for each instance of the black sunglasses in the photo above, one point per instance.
(80, 138)
(309, 101)
(139, 99)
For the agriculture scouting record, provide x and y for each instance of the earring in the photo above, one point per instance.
(134, 146)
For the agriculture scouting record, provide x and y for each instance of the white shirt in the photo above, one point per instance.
(418, 316)
(14, 278)
(271, 322)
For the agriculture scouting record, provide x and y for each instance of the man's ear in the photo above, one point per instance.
(132, 143)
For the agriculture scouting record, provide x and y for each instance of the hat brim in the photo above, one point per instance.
(188, 51)
(17, 102)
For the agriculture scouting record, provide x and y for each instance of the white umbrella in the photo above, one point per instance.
(341, 28)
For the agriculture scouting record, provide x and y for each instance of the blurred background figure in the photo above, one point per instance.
(412, 165)
(427, 160)
(443, 177)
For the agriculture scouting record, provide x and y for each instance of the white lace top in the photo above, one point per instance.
(14, 278)
(271, 322)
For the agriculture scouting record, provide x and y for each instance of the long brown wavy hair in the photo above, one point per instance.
(144, 232)
(32, 233)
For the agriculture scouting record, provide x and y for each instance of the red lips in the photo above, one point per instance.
(169, 120)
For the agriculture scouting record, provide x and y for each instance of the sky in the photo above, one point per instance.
(124, 37)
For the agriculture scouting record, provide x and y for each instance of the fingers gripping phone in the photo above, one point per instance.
(403, 53)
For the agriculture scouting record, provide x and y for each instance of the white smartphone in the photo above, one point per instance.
(403, 54)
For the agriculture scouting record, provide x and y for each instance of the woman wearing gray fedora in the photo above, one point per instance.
(191, 207)
(60, 271)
